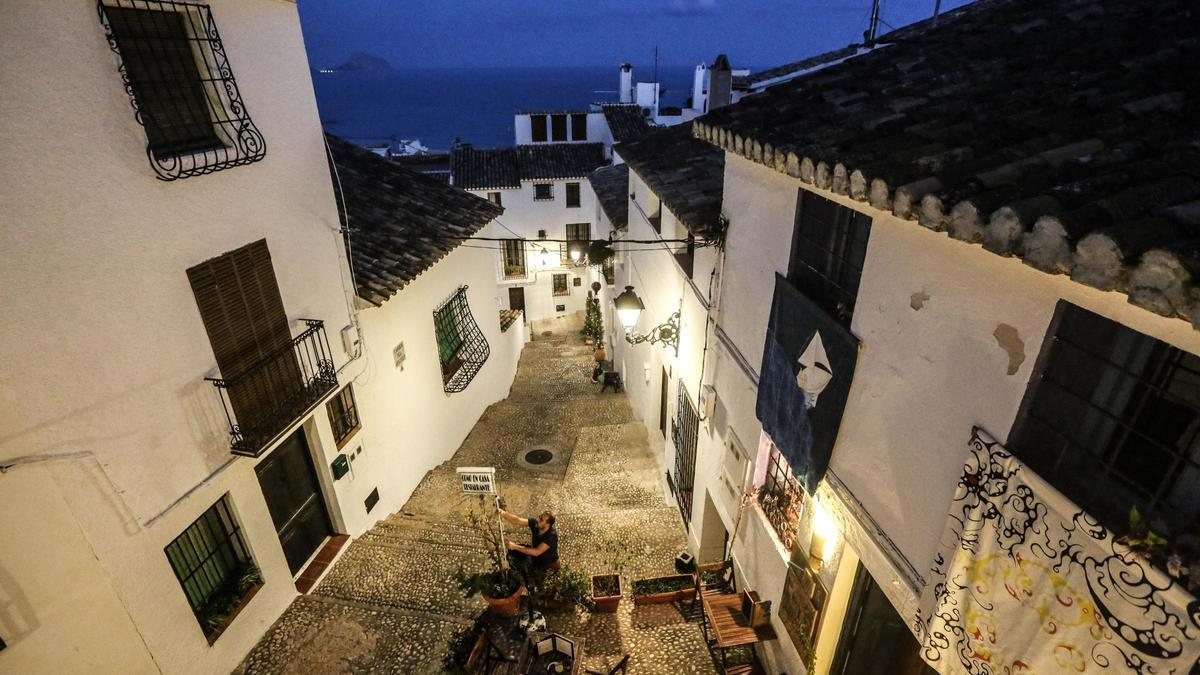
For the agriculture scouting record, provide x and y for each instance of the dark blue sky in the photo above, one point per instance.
(516, 33)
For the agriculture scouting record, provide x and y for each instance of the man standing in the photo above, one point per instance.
(543, 549)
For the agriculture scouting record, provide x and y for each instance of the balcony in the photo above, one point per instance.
(513, 271)
(265, 400)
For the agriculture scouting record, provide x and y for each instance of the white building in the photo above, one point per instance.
(547, 203)
(1069, 345)
(179, 424)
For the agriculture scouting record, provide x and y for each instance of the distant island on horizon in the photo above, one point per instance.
(361, 61)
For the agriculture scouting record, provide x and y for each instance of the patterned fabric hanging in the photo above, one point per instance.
(1026, 582)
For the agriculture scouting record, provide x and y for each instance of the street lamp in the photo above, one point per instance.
(629, 310)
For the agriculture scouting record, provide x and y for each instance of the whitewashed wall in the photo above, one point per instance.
(409, 424)
(105, 352)
(924, 376)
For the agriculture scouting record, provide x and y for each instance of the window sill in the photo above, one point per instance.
(220, 630)
(348, 437)
(574, 206)
(543, 199)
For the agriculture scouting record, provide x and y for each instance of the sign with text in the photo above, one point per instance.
(478, 480)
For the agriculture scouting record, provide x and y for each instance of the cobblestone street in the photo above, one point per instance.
(389, 604)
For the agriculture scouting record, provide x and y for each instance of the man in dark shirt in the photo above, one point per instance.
(543, 549)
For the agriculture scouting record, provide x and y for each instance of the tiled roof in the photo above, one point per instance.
(1061, 131)
(625, 121)
(797, 66)
(686, 173)
(486, 168)
(434, 165)
(396, 218)
(611, 185)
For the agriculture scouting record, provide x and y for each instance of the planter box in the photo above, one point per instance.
(606, 603)
(687, 590)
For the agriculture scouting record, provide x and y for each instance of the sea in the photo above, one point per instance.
(439, 106)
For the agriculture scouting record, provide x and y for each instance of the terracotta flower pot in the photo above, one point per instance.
(505, 606)
(599, 354)
(687, 590)
(606, 603)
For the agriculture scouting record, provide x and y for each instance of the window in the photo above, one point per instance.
(781, 498)
(543, 191)
(686, 256)
(182, 88)
(684, 431)
(829, 244)
(1111, 418)
(514, 258)
(343, 415)
(560, 285)
(576, 232)
(572, 195)
(537, 126)
(213, 566)
(462, 348)
(558, 127)
(579, 127)
(494, 197)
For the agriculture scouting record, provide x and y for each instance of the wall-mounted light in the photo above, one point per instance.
(629, 310)
(575, 250)
(824, 535)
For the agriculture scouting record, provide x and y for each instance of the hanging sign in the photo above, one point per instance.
(478, 480)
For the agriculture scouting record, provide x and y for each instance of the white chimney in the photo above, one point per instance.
(700, 88)
(625, 89)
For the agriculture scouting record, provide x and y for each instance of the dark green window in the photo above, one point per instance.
(829, 246)
(211, 561)
(543, 191)
(449, 342)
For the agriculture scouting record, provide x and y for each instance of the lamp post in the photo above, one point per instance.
(629, 310)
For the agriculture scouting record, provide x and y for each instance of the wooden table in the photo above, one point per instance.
(526, 661)
(731, 628)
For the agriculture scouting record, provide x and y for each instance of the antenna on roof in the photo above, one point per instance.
(937, 9)
(869, 36)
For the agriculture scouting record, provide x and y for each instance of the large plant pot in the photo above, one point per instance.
(606, 603)
(599, 354)
(687, 590)
(505, 606)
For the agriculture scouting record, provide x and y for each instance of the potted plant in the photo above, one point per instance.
(220, 610)
(499, 586)
(561, 588)
(606, 588)
(599, 354)
(593, 324)
(660, 590)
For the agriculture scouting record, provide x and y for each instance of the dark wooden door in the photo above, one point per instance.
(662, 404)
(875, 640)
(516, 298)
(289, 485)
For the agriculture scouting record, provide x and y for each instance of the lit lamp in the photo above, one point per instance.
(824, 536)
(575, 250)
(629, 310)
(547, 259)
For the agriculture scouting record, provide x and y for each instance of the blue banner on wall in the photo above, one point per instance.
(808, 364)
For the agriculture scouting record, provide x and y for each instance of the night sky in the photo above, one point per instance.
(532, 33)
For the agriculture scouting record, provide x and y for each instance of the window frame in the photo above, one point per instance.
(578, 195)
(495, 198)
(342, 434)
(1115, 440)
(538, 128)
(239, 563)
(513, 250)
(462, 347)
(163, 61)
(539, 188)
(573, 233)
(832, 283)
(560, 290)
(781, 498)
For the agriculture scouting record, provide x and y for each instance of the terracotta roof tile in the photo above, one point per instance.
(687, 174)
(611, 185)
(503, 168)
(625, 121)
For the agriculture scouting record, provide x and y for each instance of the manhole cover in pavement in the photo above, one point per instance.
(539, 456)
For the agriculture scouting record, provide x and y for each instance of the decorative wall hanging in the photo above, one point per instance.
(1026, 582)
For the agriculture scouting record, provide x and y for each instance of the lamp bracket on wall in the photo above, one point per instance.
(666, 333)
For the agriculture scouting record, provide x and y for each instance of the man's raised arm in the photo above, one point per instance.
(512, 519)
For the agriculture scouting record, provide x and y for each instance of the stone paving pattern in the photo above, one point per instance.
(388, 605)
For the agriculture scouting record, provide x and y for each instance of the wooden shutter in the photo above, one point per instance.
(239, 302)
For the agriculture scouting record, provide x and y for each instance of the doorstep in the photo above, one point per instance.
(320, 562)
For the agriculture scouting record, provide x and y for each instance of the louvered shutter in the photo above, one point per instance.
(242, 311)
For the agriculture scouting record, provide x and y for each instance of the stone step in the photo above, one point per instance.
(404, 534)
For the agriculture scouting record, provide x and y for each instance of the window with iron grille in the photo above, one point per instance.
(514, 258)
(684, 431)
(572, 195)
(543, 191)
(560, 285)
(829, 245)
(1111, 417)
(494, 197)
(537, 124)
(462, 347)
(181, 86)
(579, 127)
(558, 127)
(781, 498)
(212, 563)
(343, 415)
(578, 236)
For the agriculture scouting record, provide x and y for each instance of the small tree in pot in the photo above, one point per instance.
(606, 588)
(498, 585)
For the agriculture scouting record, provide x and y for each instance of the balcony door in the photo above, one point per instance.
(289, 484)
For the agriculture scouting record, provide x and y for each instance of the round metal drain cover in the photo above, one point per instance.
(539, 456)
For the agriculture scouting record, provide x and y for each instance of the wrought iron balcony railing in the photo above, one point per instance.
(264, 400)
